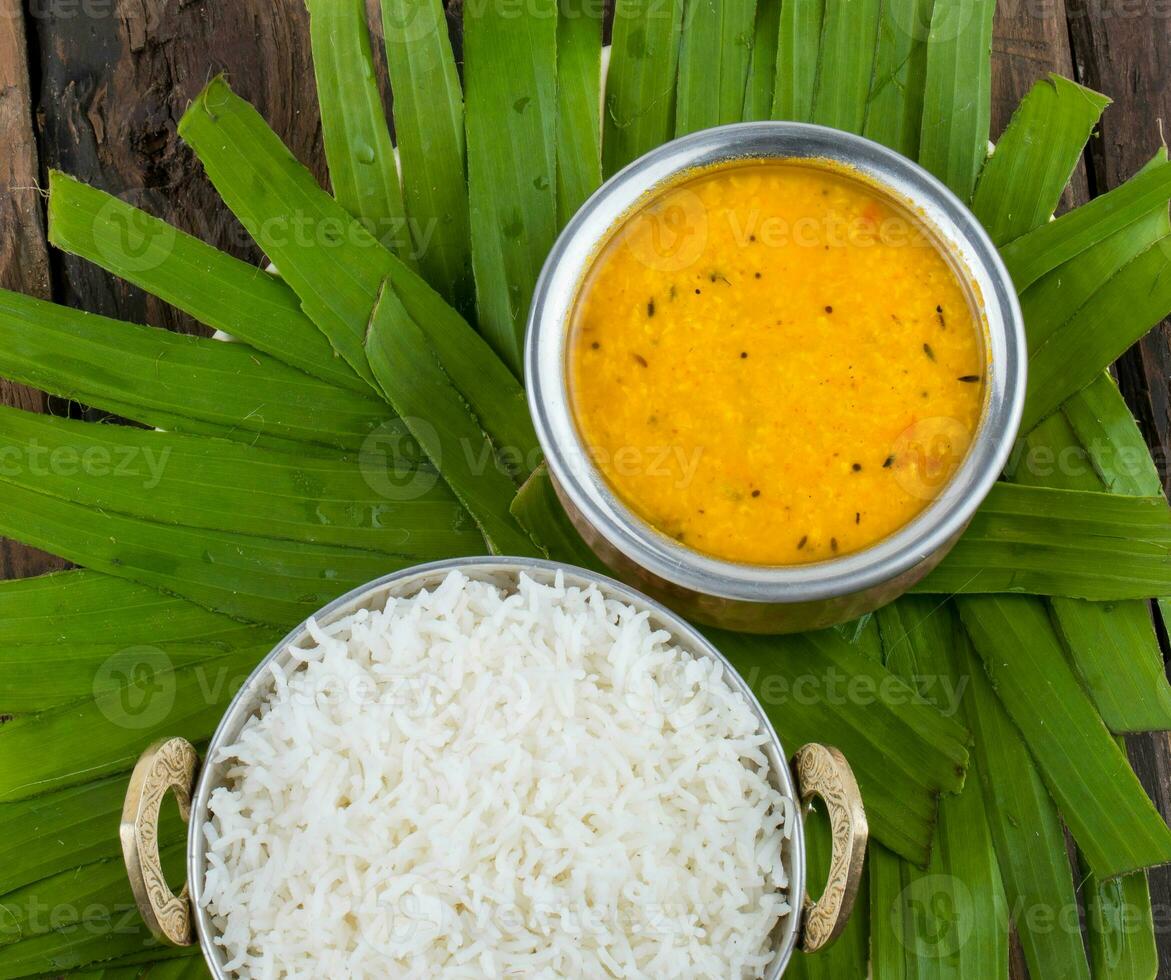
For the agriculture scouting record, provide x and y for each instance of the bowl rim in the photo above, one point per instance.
(409, 581)
(959, 234)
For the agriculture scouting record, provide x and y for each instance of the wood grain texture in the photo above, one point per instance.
(24, 260)
(1124, 49)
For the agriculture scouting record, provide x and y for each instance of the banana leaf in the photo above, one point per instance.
(61, 831)
(714, 56)
(1101, 800)
(34, 678)
(1042, 250)
(846, 70)
(640, 82)
(210, 285)
(429, 126)
(537, 509)
(798, 48)
(1022, 182)
(510, 84)
(1026, 830)
(579, 105)
(339, 271)
(815, 683)
(380, 501)
(82, 606)
(957, 110)
(415, 382)
(762, 63)
(1077, 352)
(56, 952)
(362, 166)
(894, 108)
(1120, 927)
(950, 919)
(46, 752)
(1060, 542)
(176, 382)
(92, 897)
(261, 580)
(1113, 646)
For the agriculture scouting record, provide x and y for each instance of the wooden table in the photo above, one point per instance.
(96, 88)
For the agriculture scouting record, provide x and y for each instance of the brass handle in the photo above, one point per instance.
(167, 766)
(823, 771)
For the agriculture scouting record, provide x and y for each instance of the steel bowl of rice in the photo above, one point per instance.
(494, 767)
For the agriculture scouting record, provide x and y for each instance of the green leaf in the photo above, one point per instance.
(339, 273)
(797, 52)
(957, 108)
(324, 254)
(1026, 830)
(1113, 646)
(762, 64)
(1029, 257)
(361, 160)
(210, 285)
(1051, 302)
(443, 424)
(1060, 542)
(579, 105)
(92, 897)
(640, 81)
(429, 125)
(715, 50)
(33, 678)
(950, 919)
(537, 509)
(1102, 422)
(844, 76)
(1120, 927)
(64, 830)
(378, 502)
(1101, 799)
(177, 382)
(1118, 314)
(1022, 182)
(42, 753)
(260, 580)
(894, 108)
(510, 79)
(55, 952)
(903, 751)
(82, 606)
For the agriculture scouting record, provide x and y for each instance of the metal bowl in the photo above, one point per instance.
(171, 765)
(762, 598)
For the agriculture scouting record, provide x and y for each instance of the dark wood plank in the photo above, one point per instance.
(113, 88)
(1029, 41)
(1124, 49)
(24, 261)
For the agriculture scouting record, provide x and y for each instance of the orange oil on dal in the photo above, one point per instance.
(773, 363)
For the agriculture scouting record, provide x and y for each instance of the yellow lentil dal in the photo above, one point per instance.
(774, 363)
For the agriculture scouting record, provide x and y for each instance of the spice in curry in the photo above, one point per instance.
(774, 363)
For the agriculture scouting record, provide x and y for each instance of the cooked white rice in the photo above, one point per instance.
(479, 784)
